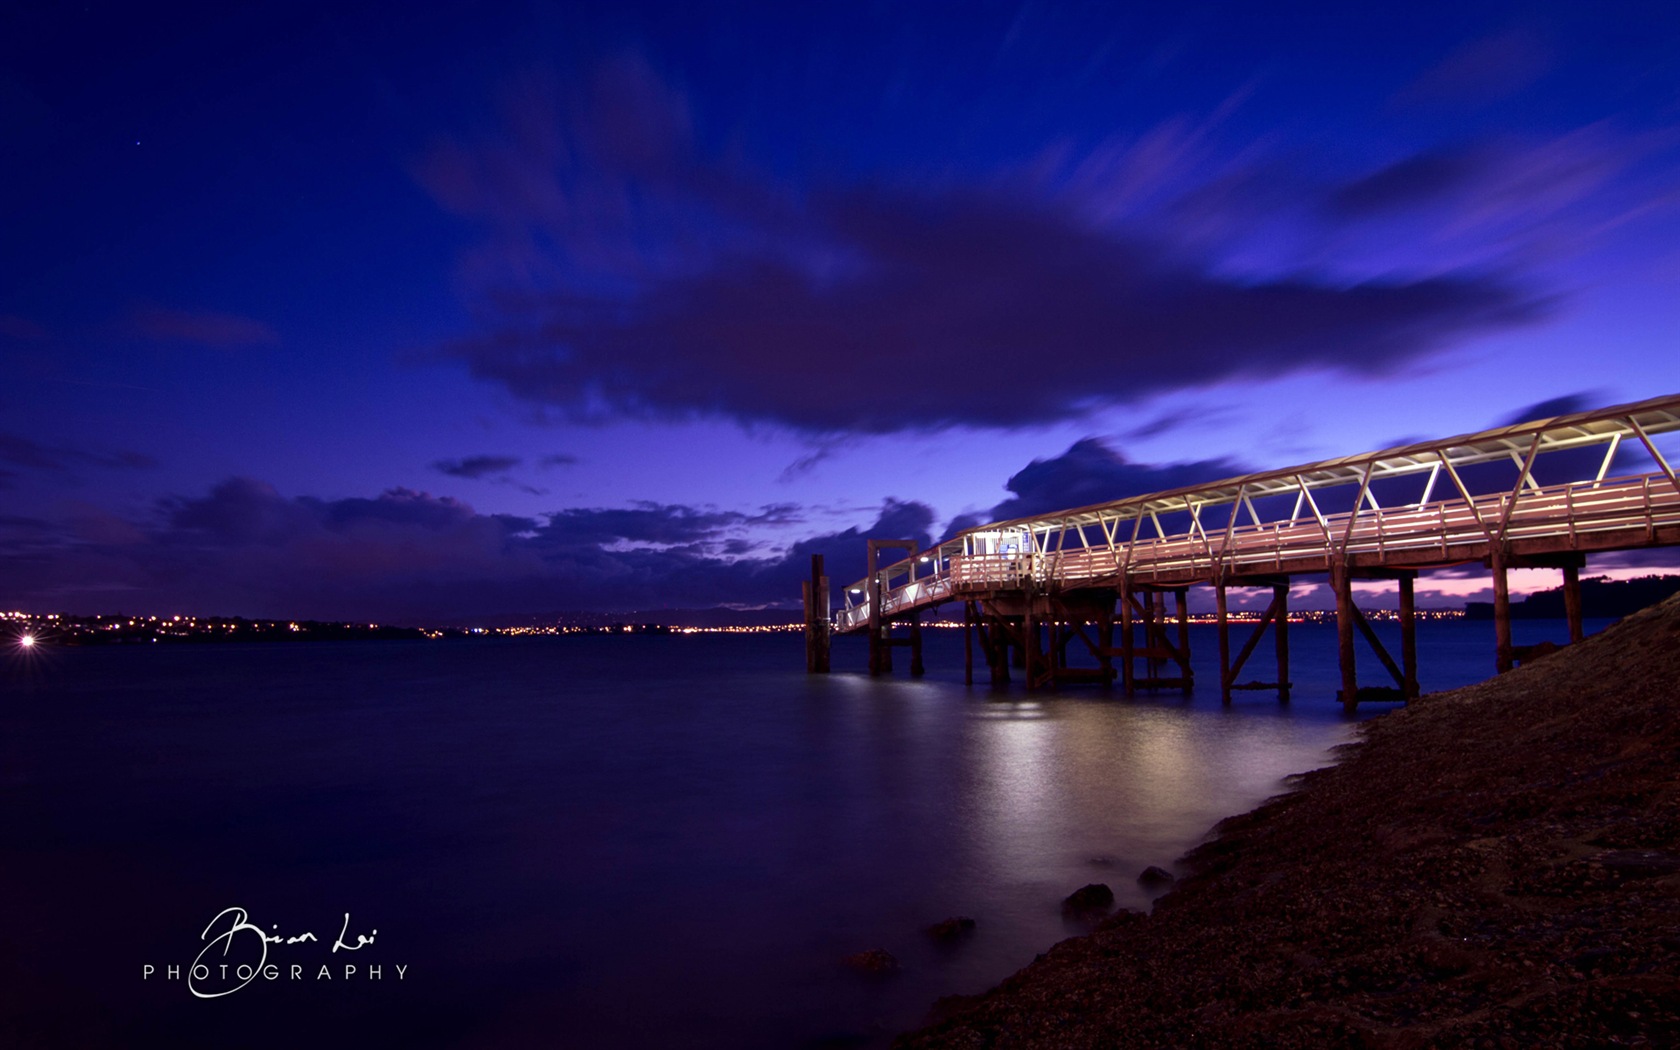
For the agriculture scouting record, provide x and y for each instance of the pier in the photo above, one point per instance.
(1540, 494)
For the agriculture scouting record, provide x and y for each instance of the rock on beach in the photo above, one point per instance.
(1096, 898)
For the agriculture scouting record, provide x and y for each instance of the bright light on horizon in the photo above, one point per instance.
(27, 641)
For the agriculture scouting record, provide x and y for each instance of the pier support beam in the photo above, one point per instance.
(1280, 598)
(1408, 635)
(880, 654)
(1349, 618)
(1504, 658)
(880, 627)
(1572, 602)
(968, 643)
(1571, 563)
(1224, 643)
(1182, 598)
(992, 630)
(1155, 631)
(1030, 659)
(1276, 616)
(1342, 584)
(1158, 646)
(816, 619)
(1083, 616)
(1127, 651)
(1105, 643)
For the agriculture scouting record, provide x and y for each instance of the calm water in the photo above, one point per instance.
(590, 842)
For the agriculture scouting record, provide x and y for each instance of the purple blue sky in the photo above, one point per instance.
(439, 311)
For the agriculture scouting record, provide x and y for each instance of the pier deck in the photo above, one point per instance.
(1542, 493)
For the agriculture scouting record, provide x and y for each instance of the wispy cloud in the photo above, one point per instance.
(17, 451)
(1482, 71)
(476, 466)
(221, 331)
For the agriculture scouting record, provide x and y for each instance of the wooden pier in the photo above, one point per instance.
(1542, 494)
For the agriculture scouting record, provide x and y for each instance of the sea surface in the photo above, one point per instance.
(591, 841)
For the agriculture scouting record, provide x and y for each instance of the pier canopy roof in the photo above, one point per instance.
(1519, 442)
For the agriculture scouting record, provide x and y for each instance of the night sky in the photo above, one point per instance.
(427, 312)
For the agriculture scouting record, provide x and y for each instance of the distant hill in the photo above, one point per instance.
(1600, 598)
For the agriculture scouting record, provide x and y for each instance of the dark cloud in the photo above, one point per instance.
(1557, 467)
(476, 466)
(1016, 316)
(1562, 405)
(1167, 422)
(407, 556)
(220, 331)
(845, 554)
(624, 272)
(559, 459)
(1091, 472)
(1423, 178)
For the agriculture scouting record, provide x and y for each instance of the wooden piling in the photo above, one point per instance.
(997, 651)
(1105, 643)
(810, 627)
(1224, 643)
(968, 643)
(1181, 598)
(1127, 653)
(1280, 599)
(879, 652)
(1408, 634)
(1504, 658)
(1029, 643)
(1156, 632)
(916, 668)
(1342, 584)
(1572, 601)
(817, 642)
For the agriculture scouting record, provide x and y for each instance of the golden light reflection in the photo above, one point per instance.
(1020, 788)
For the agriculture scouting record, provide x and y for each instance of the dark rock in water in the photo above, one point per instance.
(951, 930)
(1095, 899)
(1153, 876)
(875, 961)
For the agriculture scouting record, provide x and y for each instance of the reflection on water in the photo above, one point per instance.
(628, 841)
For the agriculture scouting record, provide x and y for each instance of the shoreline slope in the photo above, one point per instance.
(1496, 866)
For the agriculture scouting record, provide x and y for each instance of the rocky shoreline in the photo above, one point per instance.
(1497, 866)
